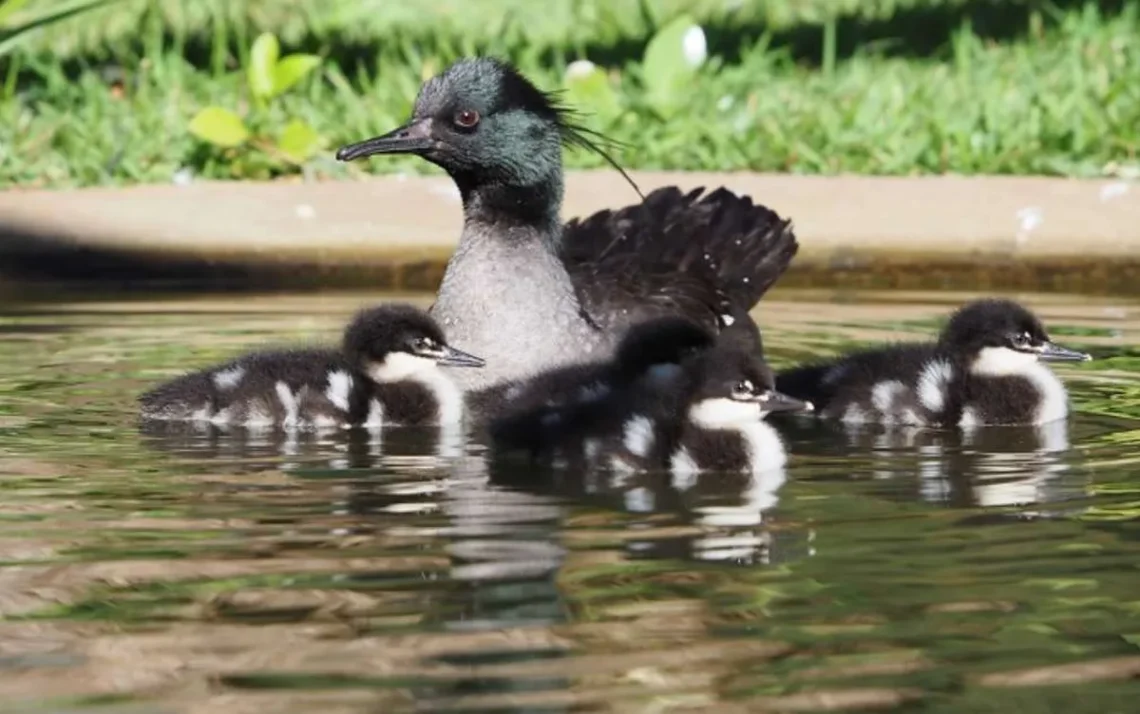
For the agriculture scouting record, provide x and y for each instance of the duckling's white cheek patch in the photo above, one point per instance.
(229, 378)
(340, 384)
(399, 366)
(1002, 362)
(720, 412)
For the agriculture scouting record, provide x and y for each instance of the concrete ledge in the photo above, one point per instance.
(396, 232)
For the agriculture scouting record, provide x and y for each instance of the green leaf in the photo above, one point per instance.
(8, 7)
(298, 141)
(262, 64)
(671, 59)
(588, 87)
(219, 126)
(292, 69)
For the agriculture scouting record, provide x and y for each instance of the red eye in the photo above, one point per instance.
(467, 118)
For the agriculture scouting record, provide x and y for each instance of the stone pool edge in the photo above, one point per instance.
(988, 232)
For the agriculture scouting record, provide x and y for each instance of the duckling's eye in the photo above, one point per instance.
(744, 388)
(466, 119)
(423, 344)
(1022, 340)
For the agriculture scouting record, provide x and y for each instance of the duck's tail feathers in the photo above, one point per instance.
(723, 237)
(747, 245)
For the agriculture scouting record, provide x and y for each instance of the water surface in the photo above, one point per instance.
(884, 569)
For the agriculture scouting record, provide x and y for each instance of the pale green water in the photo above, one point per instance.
(887, 570)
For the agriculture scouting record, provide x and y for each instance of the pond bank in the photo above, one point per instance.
(977, 233)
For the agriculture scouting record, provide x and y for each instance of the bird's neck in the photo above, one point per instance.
(509, 208)
(506, 295)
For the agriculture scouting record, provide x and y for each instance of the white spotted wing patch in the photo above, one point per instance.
(340, 386)
(637, 435)
(228, 379)
(933, 383)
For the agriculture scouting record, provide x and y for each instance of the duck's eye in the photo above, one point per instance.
(424, 344)
(743, 388)
(1023, 339)
(467, 118)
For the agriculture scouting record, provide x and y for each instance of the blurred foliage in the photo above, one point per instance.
(19, 23)
(806, 87)
(252, 152)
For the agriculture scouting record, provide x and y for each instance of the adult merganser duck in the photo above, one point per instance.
(529, 293)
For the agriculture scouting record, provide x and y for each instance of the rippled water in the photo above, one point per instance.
(883, 569)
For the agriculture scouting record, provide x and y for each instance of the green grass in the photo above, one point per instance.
(811, 86)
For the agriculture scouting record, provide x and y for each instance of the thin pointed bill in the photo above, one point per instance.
(779, 402)
(412, 138)
(452, 357)
(1050, 352)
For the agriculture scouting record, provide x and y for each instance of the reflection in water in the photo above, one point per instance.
(986, 466)
(498, 502)
(405, 570)
(503, 515)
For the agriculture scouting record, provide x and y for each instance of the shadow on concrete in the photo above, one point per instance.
(34, 265)
(42, 268)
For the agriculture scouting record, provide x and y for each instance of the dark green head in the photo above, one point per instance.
(486, 125)
(495, 133)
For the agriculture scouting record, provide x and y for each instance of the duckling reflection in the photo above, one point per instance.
(981, 466)
(709, 515)
(241, 449)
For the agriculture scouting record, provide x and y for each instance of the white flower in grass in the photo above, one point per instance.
(694, 46)
(579, 68)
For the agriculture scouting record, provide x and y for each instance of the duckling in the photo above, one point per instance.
(704, 410)
(386, 373)
(651, 350)
(729, 393)
(985, 368)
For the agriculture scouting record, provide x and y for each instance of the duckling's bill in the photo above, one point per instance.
(450, 357)
(1052, 352)
(774, 401)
